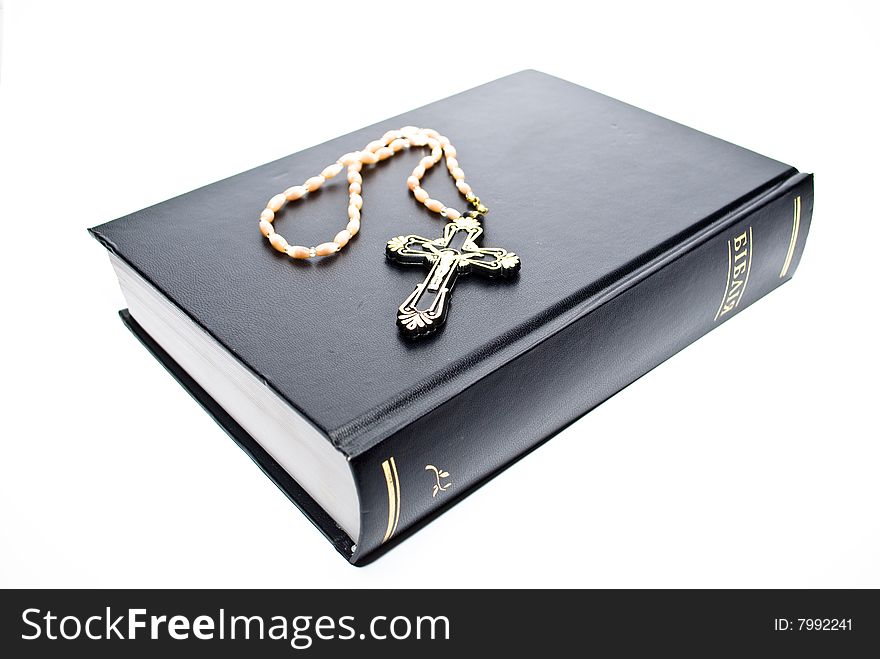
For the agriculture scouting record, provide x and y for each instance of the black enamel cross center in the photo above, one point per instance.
(455, 253)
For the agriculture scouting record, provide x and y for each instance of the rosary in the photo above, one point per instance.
(455, 253)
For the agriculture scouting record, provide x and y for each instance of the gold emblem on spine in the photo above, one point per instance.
(792, 243)
(438, 474)
(739, 266)
(392, 482)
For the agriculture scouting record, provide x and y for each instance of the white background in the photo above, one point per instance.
(750, 459)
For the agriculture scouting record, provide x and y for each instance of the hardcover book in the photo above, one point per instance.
(636, 235)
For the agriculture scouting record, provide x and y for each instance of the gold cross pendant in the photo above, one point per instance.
(455, 253)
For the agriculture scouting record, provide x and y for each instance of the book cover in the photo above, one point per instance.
(636, 235)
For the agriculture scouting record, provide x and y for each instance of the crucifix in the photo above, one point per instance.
(455, 253)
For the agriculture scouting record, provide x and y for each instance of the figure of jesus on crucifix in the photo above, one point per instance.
(455, 253)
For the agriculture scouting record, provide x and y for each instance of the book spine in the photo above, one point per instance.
(419, 471)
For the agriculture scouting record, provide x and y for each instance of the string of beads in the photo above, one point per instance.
(390, 143)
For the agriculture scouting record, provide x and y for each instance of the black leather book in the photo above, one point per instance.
(636, 235)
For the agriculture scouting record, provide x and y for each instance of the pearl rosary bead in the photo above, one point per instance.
(390, 143)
